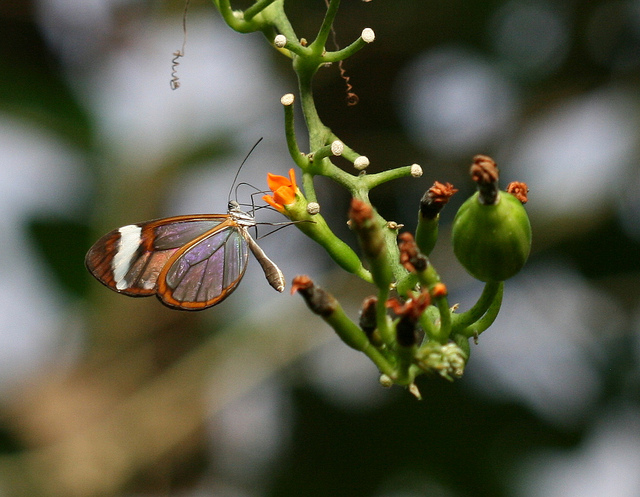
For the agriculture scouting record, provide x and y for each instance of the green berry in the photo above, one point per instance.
(492, 242)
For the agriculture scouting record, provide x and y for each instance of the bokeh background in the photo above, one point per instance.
(102, 395)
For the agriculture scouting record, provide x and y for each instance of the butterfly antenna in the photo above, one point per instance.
(256, 190)
(240, 168)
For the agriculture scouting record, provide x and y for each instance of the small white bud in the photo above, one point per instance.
(361, 162)
(337, 147)
(413, 389)
(368, 35)
(386, 381)
(392, 225)
(287, 99)
(313, 208)
(416, 170)
(280, 41)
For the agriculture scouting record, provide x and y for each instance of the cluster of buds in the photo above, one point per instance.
(447, 360)
(416, 331)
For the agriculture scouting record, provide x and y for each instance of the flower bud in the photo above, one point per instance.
(492, 241)
(432, 202)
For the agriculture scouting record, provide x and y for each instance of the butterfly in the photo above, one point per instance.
(189, 262)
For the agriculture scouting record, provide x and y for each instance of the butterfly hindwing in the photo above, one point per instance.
(207, 270)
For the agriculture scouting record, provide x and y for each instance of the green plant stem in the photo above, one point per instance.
(428, 323)
(444, 330)
(346, 52)
(428, 278)
(318, 132)
(290, 134)
(354, 337)
(487, 320)
(321, 153)
(318, 45)
(282, 25)
(370, 181)
(316, 228)
(256, 8)
(235, 23)
(406, 283)
(386, 331)
(404, 372)
(492, 291)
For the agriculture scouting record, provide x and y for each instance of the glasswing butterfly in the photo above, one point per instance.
(189, 262)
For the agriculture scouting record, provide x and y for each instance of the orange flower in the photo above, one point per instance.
(284, 190)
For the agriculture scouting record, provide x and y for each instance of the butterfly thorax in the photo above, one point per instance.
(242, 218)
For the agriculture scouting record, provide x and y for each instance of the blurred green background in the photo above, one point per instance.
(102, 395)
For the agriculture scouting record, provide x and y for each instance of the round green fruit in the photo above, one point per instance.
(492, 242)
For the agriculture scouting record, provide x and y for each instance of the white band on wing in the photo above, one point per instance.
(127, 247)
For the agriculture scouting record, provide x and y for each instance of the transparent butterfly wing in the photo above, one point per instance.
(207, 270)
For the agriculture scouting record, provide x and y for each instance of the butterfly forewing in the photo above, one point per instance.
(206, 271)
(130, 259)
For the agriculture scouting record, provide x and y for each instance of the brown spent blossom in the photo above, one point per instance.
(363, 222)
(484, 170)
(409, 313)
(435, 198)
(412, 308)
(440, 193)
(368, 316)
(318, 300)
(518, 189)
(439, 290)
(410, 256)
(360, 212)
